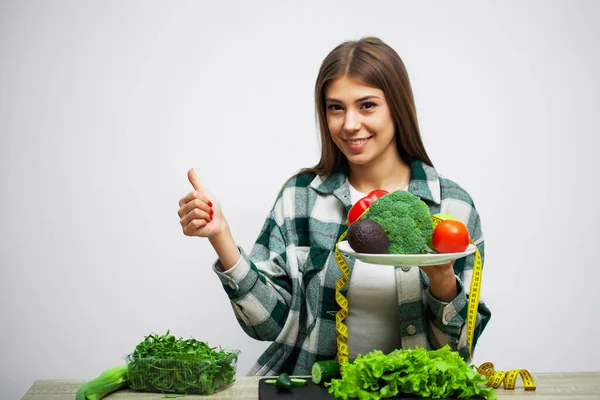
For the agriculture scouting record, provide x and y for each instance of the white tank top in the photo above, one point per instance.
(373, 313)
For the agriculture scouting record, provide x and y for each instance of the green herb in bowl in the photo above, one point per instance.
(162, 363)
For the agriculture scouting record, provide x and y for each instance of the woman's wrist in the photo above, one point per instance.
(225, 247)
(443, 285)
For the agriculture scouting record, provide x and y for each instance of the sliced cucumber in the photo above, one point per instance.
(298, 381)
(324, 371)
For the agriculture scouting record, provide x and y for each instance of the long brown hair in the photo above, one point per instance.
(376, 64)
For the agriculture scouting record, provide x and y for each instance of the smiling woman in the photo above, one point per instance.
(283, 290)
(359, 121)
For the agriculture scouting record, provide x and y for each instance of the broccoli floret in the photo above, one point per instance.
(406, 220)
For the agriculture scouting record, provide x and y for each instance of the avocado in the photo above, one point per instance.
(367, 236)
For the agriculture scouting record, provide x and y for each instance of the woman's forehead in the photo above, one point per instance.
(346, 87)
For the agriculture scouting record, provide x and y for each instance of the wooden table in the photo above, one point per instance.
(566, 386)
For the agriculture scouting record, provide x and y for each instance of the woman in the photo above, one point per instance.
(283, 290)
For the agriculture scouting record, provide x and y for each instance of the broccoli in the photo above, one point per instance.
(406, 220)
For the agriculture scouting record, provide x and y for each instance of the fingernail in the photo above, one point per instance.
(209, 203)
(212, 211)
(211, 217)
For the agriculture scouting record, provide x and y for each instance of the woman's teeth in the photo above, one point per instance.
(359, 141)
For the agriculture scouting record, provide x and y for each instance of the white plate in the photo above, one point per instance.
(404, 260)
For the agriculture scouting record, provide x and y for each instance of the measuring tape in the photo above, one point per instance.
(342, 329)
(495, 378)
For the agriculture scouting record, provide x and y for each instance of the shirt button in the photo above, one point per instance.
(405, 269)
(448, 316)
(411, 329)
(231, 285)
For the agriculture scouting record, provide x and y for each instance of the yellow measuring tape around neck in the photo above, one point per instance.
(495, 378)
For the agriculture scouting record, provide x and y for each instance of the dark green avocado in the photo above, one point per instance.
(367, 236)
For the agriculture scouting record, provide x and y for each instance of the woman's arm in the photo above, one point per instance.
(260, 285)
(226, 249)
(448, 315)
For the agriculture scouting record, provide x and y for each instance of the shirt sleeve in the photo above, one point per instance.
(259, 285)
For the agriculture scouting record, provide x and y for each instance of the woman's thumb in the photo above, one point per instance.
(193, 178)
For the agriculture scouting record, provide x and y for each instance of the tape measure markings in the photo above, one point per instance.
(342, 339)
(508, 378)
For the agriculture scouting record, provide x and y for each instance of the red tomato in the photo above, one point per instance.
(450, 236)
(363, 204)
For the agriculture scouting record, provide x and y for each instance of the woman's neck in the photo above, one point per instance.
(388, 173)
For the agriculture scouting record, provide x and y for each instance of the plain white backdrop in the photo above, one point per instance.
(104, 106)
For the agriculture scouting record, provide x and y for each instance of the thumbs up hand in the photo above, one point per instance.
(199, 212)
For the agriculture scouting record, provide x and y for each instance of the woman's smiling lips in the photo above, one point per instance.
(357, 144)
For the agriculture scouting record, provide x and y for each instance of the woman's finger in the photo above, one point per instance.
(191, 229)
(191, 196)
(194, 200)
(193, 178)
(196, 213)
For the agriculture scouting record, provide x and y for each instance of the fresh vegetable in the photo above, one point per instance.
(433, 374)
(438, 217)
(325, 371)
(284, 383)
(367, 236)
(450, 236)
(299, 382)
(111, 380)
(406, 220)
(363, 204)
(183, 366)
(295, 381)
(443, 216)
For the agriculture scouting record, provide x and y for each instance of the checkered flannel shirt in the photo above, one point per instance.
(284, 290)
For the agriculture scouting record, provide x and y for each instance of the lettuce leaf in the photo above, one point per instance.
(435, 374)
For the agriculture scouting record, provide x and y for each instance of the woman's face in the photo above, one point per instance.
(359, 121)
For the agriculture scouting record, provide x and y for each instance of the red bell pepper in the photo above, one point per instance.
(362, 205)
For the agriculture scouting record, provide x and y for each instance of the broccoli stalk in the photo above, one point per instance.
(406, 220)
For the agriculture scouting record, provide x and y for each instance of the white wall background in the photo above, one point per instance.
(104, 106)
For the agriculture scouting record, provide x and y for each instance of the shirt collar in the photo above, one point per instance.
(334, 184)
(328, 184)
(424, 182)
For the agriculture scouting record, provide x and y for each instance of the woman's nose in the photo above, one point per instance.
(351, 122)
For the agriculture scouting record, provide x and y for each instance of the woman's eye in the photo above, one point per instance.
(334, 107)
(368, 106)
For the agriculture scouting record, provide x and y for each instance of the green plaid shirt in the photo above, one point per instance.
(283, 291)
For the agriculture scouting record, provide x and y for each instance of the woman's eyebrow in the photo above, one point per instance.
(333, 100)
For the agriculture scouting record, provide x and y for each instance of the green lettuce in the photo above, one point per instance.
(435, 374)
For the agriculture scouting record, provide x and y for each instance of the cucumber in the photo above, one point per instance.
(298, 382)
(324, 371)
(284, 383)
(295, 381)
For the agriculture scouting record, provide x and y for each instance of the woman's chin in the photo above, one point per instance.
(358, 159)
